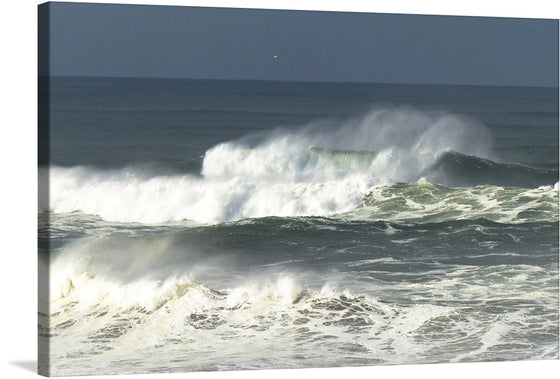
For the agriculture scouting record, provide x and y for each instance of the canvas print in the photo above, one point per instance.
(235, 189)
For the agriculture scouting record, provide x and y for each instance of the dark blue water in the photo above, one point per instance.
(123, 120)
(215, 225)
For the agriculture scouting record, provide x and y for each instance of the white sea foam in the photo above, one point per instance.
(177, 319)
(423, 201)
(285, 174)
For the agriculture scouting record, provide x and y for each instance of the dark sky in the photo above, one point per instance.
(218, 43)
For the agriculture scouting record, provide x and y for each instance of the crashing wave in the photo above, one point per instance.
(315, 171)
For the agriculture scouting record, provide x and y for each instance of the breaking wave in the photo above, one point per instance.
(107, 308)
(426, 202)
(322, 169)
(455, 169)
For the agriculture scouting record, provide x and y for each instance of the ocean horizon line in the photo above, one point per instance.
(295, 81)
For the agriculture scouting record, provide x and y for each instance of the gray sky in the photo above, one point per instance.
(218, 43)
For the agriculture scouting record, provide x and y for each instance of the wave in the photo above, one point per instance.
(145, 169)
(323, 169)
(455, 169)
(98, 309)
(423, 202)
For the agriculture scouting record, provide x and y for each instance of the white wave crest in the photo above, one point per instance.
(282, 175)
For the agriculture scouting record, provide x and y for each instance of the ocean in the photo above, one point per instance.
(194, 225)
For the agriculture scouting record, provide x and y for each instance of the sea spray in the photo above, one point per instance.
(448, 251)
(284, 174)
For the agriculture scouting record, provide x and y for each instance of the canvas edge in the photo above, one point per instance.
(43, 116)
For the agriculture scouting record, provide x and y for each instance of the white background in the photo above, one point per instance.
(18, 204)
